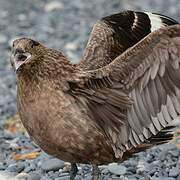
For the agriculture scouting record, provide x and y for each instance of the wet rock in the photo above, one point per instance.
(105, 171)
(52, 164)
(45, 178)
(17, 167)
(133, 178)
(35, 176)
(178, 178)
(175, 153)
(163, 178)
(117, 169)
(63, 178)
(22, 176)
(142, 167)
(174, 172)
(27, 169)
(4, 175)
(2, 167)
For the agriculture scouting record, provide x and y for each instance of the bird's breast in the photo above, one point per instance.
(59, 127)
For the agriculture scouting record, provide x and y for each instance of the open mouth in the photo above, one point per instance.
(19, 58)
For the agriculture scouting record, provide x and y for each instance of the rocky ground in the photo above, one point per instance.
(66, 25)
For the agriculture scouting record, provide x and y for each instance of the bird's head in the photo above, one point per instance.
(24, 51)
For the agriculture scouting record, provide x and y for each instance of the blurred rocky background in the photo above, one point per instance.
(66, 25)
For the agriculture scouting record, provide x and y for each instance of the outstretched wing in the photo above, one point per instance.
(114, 34)
(138, 94)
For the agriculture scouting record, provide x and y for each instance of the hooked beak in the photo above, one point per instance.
(18, 57)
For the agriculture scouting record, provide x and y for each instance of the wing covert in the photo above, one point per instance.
(114, 34)
(142, 92)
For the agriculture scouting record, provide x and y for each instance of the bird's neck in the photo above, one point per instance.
(53, 68)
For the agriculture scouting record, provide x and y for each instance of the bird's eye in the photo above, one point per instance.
(34, 43)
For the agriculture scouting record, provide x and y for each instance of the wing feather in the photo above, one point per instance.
(114, 34)
(144, 94)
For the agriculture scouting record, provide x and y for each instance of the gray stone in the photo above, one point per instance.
(32, 166)
(174, 172)
(131, 169)
(54, 5)
(116, 169)
(175, 153)
(71, 46)
(35, 176)
(132, 178)
(63, 178)
(22, 176)
(4, 175)
(122, 178)
(115, 177)
(63, 174)
(22, 17)
(2, 167)
(55, 175)
(52, 164)
(17, 167)
(142, 167)
(178, 178)
(3, 39)
(27, 169)
(105, 171)
(45, 178)
(163, 178)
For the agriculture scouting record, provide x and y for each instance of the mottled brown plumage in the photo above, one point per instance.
(114, 103)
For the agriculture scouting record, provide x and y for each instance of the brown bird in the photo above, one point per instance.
(118, 100)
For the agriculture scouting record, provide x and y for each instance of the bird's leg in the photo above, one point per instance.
(95, 172)
(73, 171)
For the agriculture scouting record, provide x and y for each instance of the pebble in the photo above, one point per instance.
(35, 176)
(64, 174)
(22, 17)
(3, 39)
(45, 178)
(54, 5)
(27, 169)
(22, 176)
(105, 171)
(142, 167)
(175, 153)
(5, 175)
(3, 166)
(71, 46)
(18, 167)
(52, 164)
(174, 172)
(63, 178)
(163, 178)
(178, 178)
(117, 169)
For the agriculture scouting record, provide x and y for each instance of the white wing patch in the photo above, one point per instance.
(156, 21)
(135, 21)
